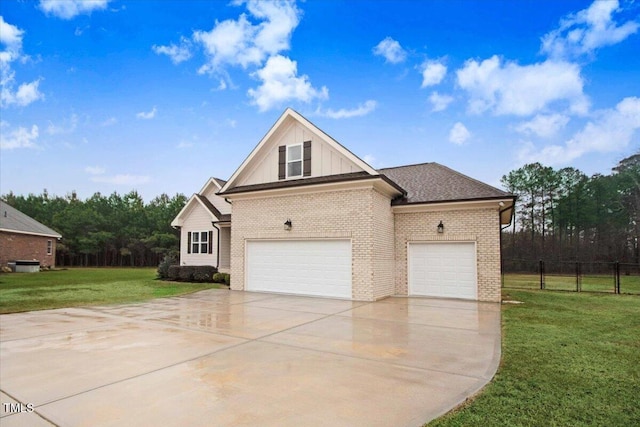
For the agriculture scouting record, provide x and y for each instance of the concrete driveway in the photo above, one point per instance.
(221, 358)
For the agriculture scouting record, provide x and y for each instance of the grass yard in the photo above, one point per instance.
(568, 359)
(85, 286)
(590, 283)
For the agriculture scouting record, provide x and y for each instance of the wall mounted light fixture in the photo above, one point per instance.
(287, 225)
(440, 228)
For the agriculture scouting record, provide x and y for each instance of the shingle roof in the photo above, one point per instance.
(213, 209)
(221, 182)
(432, 182)
(13, 220)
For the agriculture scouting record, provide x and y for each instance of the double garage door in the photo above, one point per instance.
(443, 269)
(304, 267)
(323, 268)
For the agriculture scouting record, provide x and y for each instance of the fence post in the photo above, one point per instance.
(617, 277)
(542, 285)
(578, 274)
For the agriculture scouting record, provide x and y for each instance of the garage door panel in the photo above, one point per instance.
(443, 269)
(305, 267)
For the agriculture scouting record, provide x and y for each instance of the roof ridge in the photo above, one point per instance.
(471, 178)
(406, 166)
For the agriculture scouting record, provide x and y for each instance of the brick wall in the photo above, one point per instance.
(383, 246)
(357, 215)
(16, 246)
(478, 225)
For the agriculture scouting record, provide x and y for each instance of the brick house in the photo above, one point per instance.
(24, 238)
(312, 218)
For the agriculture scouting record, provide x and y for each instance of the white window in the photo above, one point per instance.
(294, 160)
(49, 247)
(199, 242)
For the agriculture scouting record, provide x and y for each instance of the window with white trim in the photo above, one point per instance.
(199, 242)
(49, 247)
(294, 160)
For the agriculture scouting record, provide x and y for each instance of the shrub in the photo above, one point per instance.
(204, 273)
(173, 272)
(163, 267)
(191, 273)
(186, 273)
(218, 278)
(227, 279)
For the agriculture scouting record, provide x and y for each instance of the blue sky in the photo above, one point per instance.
(158, 96)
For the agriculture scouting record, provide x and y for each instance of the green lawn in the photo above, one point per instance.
(590, 283)
(568, 359)
(85, 286)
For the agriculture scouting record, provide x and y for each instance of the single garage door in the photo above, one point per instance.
(305, 267)
(446, 269)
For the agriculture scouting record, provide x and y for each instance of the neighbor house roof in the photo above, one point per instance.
(432, 182)
(14, 221)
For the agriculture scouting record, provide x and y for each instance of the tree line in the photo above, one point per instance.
(565, 215)
(561, 215)
(114, 230)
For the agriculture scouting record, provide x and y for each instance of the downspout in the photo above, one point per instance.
(218, 245)
(513, 212)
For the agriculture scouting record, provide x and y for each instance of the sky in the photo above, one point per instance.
(157, 96)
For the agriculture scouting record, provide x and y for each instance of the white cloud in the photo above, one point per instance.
(509, 88)
(80, 30)
(11, 37)
(586, 31)
(67, 127)
(612, 131)
(26, 93)
(239, 42)
(109, 122)
(67, 9)
(147, 115)
(19, 138)
(281, 18)
(390, 50)
(343, 113)
(95, 170)
(280, 83)
(178, 53)
(439, 102)
(432, 73)
(121, 179)
(369, 159)
(544, 126)
(184, 144)
(459, 134)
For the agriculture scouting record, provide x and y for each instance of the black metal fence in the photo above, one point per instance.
(610, 277)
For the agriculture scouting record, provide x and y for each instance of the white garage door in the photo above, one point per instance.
(305, 267)
(445, 270)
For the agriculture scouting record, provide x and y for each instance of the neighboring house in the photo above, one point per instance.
(24, 238)
(312, 218)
